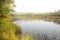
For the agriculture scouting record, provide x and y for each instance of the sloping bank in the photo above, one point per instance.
(8, 30)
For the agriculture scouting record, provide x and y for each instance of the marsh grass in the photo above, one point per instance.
(8, 30)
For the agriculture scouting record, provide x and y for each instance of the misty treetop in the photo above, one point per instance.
(6, 7)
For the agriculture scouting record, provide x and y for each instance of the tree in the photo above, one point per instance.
(6, 7)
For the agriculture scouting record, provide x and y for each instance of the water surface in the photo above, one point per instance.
(41, 27)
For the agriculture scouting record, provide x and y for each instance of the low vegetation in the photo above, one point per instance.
(50, 15)
(8, 30)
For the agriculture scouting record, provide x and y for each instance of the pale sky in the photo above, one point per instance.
(37, 6)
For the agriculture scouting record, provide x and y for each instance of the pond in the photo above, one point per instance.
(42, 27)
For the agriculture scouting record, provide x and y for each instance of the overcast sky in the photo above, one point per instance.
(36, 6)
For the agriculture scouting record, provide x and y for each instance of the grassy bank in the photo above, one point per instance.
(8, 30)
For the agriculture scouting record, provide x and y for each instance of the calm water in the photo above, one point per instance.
(42, 27)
